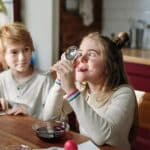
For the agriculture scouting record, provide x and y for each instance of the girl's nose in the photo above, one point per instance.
(80, 59)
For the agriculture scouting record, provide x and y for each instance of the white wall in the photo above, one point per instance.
(116, 14)
(8, 16)
(42, 19)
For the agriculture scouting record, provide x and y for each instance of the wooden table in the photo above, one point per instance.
(18, 130)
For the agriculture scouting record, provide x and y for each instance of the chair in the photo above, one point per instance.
(142, 141)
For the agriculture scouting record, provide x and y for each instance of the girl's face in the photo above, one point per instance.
(90, 65)
(18, 57)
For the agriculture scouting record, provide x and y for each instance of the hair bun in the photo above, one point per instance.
(121, 39)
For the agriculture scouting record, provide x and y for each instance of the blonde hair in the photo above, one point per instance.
(14, 33)
(115, 74)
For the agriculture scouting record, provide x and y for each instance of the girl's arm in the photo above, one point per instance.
(54, 104)
(109, 127)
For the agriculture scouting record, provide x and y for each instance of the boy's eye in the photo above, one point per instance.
(26, 49)
(14, 52)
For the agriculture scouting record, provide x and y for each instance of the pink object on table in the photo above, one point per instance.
(70, 145)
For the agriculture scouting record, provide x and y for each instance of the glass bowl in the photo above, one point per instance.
(50, 131)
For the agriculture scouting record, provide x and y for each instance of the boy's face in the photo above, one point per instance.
(18, 56)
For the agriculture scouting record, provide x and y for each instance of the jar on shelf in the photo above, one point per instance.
(146, 38)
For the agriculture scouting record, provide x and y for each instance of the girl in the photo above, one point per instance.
(97, 90)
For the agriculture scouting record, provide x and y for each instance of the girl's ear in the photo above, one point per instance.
(115, 66)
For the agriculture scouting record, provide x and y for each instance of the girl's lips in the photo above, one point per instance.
(82, 69)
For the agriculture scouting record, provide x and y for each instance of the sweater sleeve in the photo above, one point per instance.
(55, 104)
(106, 128)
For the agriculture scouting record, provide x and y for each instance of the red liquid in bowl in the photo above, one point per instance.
(50, 135)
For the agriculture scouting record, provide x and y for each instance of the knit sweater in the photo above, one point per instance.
(107, 124)
(32, 93)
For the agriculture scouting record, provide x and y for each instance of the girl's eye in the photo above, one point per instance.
(92, 54)
(79, 54)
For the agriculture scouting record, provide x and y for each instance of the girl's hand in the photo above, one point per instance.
(55, 67)
(65, 71)
(19, 109)
(3, 104)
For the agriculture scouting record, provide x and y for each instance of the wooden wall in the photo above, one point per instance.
(71, 25)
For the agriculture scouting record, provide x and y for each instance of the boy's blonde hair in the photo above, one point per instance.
(14, 33)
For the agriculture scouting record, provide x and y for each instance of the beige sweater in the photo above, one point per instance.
(107, 124)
